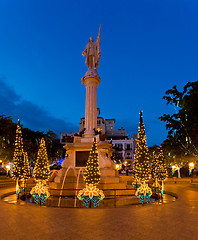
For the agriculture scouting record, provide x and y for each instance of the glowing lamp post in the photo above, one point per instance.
(125, 163)
(191, 166)
(118, 166)
(174, 168)
(7, 168)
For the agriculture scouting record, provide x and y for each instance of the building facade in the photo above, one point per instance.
(64, 137)
(125, 149)
(124, 146)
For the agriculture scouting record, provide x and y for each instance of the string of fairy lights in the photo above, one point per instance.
(141, 162)
(158, 169)
(21, 169)
(91, 194)
(92, 172)
(142, 169)
(42, 168)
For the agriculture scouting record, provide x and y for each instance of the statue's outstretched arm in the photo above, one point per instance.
(84, 53)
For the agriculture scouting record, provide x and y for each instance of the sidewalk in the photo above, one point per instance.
(172, 221)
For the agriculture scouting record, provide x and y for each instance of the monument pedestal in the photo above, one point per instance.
(109, 175)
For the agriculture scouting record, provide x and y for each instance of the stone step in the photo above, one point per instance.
(110, 180)
(67, 185)
(70, 179)
(122, 201)
(73, 179)
(112, 193)
(65, 192)
(54, 185)
(108, 172)
(129, 187)
(71, 172)
(120, 185)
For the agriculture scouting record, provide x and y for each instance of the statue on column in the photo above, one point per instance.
(92, 52)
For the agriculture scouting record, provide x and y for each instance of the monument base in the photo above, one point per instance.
(75, 162)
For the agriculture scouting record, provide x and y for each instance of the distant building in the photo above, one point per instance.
(65, 137)
(124, 146)
(125, 149)
(106, 127)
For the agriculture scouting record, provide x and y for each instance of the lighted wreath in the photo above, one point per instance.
(144, 192)
(40, 192)
(91, 194)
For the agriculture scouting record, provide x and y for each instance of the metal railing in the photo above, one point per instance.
(110, 196)
(71, 194)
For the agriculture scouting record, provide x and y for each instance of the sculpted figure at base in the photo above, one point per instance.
(92, 52)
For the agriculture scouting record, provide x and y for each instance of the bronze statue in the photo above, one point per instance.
(92, 52)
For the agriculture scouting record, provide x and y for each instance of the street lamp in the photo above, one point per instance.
(7, 168)
(125, 163)
(191, 166)
(174, 168)
(118, 166)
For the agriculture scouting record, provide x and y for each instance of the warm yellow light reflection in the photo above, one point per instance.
(174, 167)
(118, 166)
(191, 166)
(7, 167)
(125, 163)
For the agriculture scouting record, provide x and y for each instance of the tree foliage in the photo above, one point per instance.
(182, 140)
(158, 168)
(92, 172)
(26, 166)
(31, 141)
(141, 163)
(42, 170)
(7, 138)
(19, 166)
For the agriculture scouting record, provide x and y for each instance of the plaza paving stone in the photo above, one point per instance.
(171, 221)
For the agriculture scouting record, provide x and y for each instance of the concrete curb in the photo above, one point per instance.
(7, 194)
(171, 194)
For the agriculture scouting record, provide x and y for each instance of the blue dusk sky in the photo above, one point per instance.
(147, 48)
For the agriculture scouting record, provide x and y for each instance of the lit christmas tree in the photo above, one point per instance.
(18, 159)
(154, 167)
(141, 162)
(42, 169)
(91, 194)
(161, 173)
(92, 172)
(26, 166)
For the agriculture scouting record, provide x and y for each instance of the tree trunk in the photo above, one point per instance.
(17, 188)
(178, 170)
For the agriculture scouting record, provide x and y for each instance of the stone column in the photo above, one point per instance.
(91, 82)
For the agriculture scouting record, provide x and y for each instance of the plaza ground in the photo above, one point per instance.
(171, 221)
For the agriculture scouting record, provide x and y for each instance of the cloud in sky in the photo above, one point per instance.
(31, 115)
